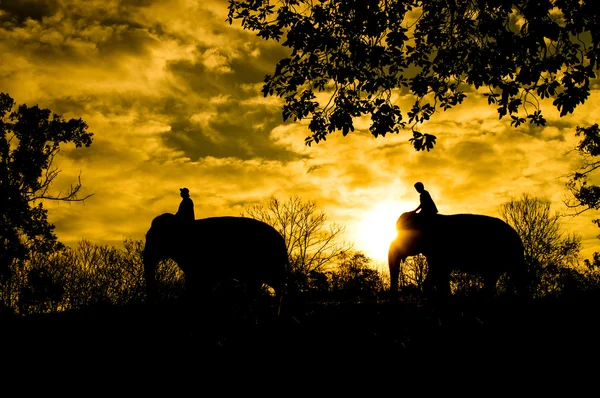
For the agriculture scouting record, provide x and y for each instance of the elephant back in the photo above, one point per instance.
(482, 236)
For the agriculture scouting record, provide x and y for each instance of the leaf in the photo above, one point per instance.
(367, 46)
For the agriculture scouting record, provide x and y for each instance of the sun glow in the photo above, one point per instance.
(377, 229)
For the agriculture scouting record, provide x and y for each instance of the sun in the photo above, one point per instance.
(377, 229)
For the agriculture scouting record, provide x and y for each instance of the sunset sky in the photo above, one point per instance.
(171, 92)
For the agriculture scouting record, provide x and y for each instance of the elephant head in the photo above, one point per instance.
(161, 241)
(408, 242)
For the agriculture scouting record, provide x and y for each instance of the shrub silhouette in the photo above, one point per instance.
(356, 279)
(313, 243)
(88, 274)
(84, 275)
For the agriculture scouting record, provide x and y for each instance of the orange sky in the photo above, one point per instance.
(172, 94)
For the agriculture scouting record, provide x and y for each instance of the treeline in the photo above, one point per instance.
(91, 275)
(322, 266)
(83, 275)
(547, 281)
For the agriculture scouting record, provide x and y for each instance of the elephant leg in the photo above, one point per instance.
(250, 292)
(278, 297)
(394, 263)
(489, 284)
(443, 285)
(194, 291)
(437, 280)
(254, 299)
(191, 304)
(428, 284)
(520, 280)
(198, 295)
(263, 302)
(150, 281)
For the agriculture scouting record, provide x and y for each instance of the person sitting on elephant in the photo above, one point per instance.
(427, 207)
(186, 207)
(425, 211)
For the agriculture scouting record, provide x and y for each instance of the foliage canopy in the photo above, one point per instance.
(30, 138)
(586, 195)
(365, 53)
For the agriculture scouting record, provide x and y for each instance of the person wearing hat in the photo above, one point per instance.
(186, 207)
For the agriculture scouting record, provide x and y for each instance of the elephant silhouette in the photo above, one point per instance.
(214, 250)
(471, 243)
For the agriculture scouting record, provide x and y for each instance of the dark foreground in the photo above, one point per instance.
(551, 333)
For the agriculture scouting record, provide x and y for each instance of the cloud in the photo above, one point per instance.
(173, 95)
(18, 11)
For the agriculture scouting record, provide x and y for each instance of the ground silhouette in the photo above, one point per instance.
(403, 330)
(321, 332)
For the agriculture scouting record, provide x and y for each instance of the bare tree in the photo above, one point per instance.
(413, 271)
(540, 232)
(312, 242)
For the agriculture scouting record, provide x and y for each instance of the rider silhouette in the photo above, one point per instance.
(428, 209)
(186, 207)
(427, 206)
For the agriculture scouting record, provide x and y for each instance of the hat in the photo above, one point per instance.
(184, 190)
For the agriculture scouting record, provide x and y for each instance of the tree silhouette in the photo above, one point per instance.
(585, 196)
(413, 272)
(540, 232)
(29, 141)
(591, 271)
(365, 53)
(312, 242)
(547, 248)
(355, 277)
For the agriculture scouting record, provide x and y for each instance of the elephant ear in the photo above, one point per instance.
(406, 221)
(165, 221)
(399, 223)
(163, 227)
